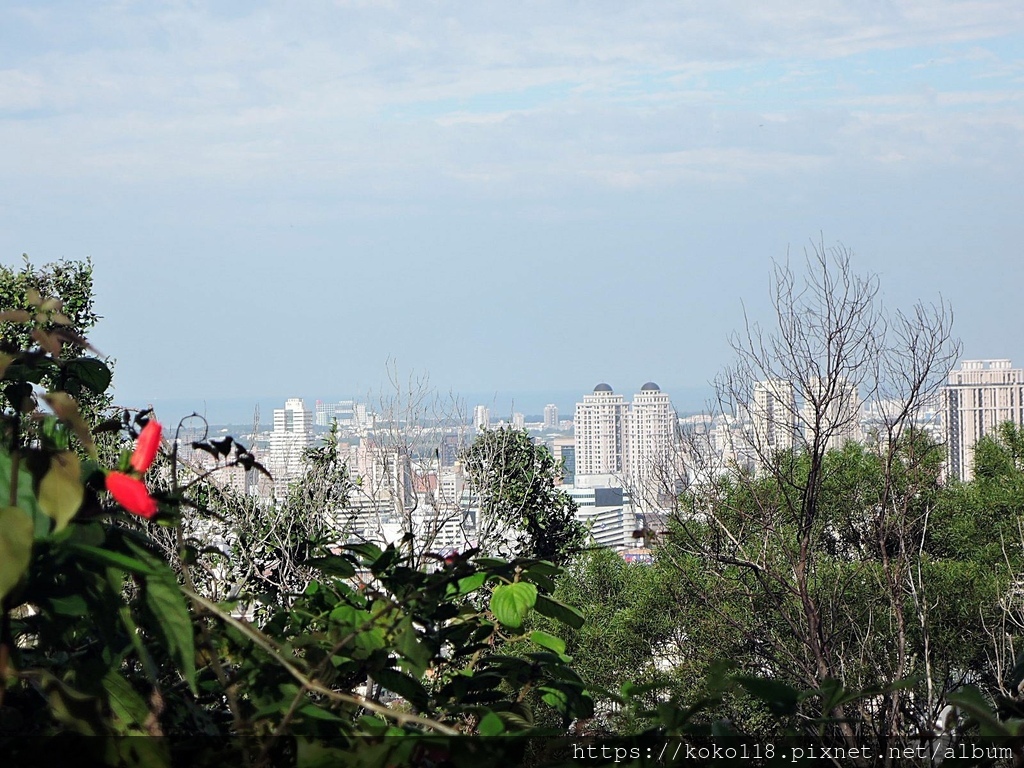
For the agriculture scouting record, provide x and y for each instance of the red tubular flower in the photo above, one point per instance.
(131, 494)
(147, 446)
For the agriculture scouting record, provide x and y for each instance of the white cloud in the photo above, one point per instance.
(481, 93)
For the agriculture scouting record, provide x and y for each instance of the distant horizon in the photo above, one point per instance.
(502, 404)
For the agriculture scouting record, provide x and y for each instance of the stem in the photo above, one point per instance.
(230, 690)
(268, 645)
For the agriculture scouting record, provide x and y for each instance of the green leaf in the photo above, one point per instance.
(554, 609)
(15, 547)
(405, 686)
(972, 701)
(552, 643)
(116, 559)
(128, 707)
(555, 698)
(471, 583)
(92, 373)
(370, 552)
(164, 599)
(510, 603)
(780, 698)
(315, 712)
(61, 490)
(333, 566)
(26, 497)
(416, 655)
(67, 409)
(543, 568)
(68, 605)
(75, 710)
(347, 617)
(491, 725)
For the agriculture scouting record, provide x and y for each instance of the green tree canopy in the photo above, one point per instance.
(519, 505)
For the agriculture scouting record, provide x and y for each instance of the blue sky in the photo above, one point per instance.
(282, 197)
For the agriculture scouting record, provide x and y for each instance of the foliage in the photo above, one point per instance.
(119, 644)
(635, 627)
(105, 636)
(59, 325)
(518, 500)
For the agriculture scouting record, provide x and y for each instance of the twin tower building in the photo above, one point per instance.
(633, 442)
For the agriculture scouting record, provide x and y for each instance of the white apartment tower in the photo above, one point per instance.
(980, 395)
(774, 416)
(651, 443)
(601, 433)
(481, 418)
(292, 435)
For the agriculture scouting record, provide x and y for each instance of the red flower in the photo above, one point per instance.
(147, 446)
(131, 494)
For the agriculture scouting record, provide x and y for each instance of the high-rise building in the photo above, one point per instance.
(481, 418)
(518, 421)
(635, 444)
(601, 433)
(564, 451)
(831, 410)
(343, 413)
(550, 416)
(980, 395)
(448, 450)
(773, 416)
(651, 446)
(292, 435)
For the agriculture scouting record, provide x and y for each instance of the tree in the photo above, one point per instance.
(635, 625)
(59, 299)
(1000, 456)
(814, 553)
(520, 509)
(241, 545)
(101, 638)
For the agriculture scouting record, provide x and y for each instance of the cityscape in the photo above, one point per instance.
(395, 384)
(624, 462)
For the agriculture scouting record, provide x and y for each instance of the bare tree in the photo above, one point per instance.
(400, 489)
(781, 529)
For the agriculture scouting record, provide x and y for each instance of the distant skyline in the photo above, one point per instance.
(502, 404)
(288, 199)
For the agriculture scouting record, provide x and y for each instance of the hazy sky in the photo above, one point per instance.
(281, 197)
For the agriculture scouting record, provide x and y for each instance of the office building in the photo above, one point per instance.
(481, 418)
(292, 435)
(343, 413)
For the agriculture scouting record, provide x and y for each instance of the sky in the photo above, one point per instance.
(296, 198)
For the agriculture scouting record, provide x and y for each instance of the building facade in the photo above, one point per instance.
(979, 396)
(652, 447)
(550, 416)
(601, 433)
(481, 418)
(831, 413)
(292, 435)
